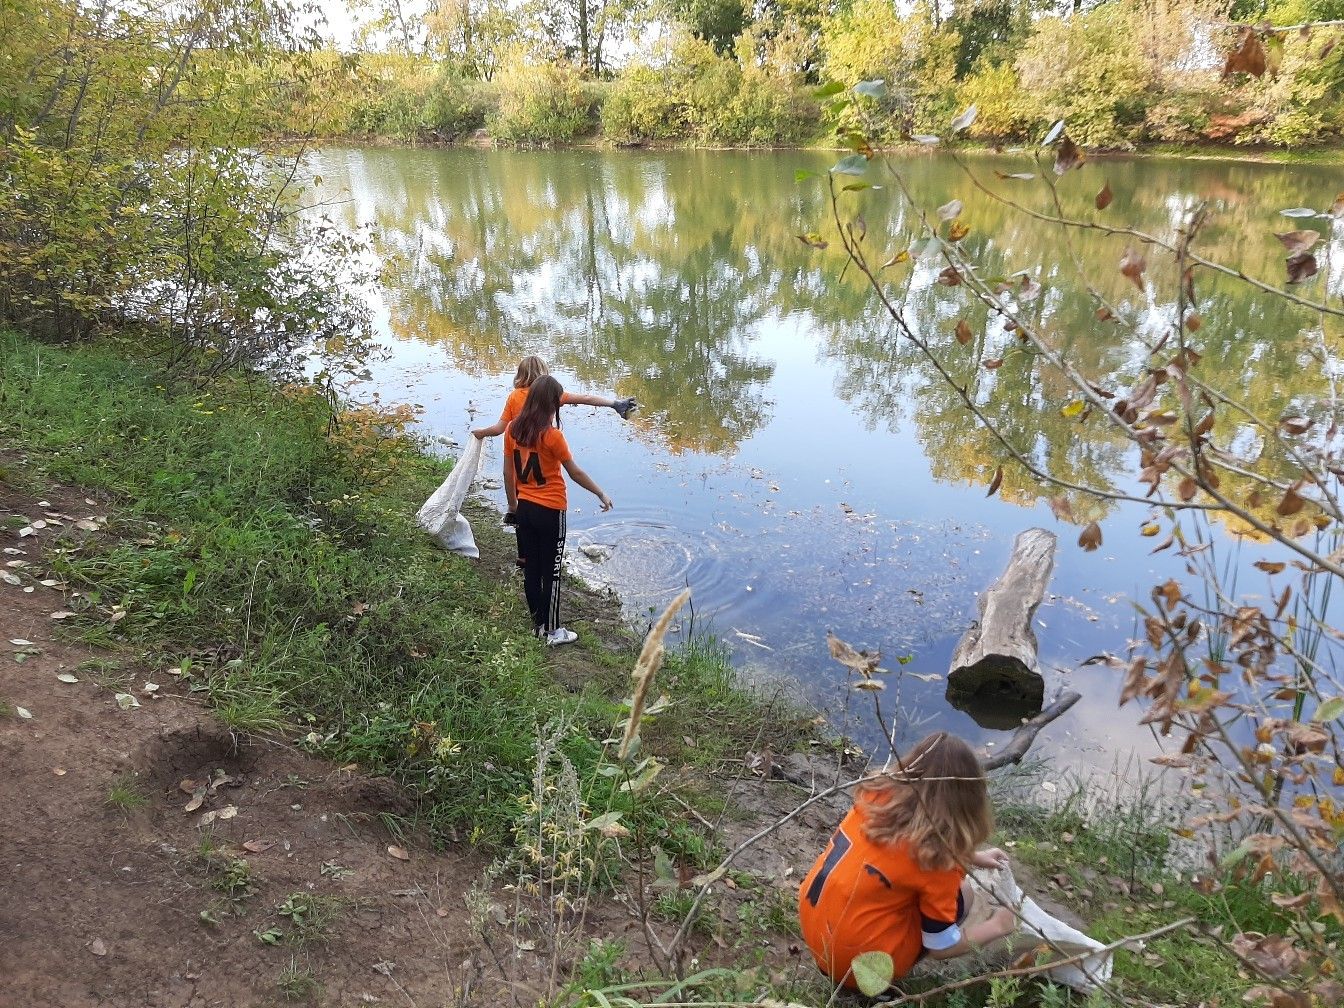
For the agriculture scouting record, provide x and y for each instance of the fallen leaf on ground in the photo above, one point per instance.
(125, 701)
(398, 852)
(20, 642)
(59, 771)
(23, 712)
(66, 677)
(63, 614)
(98, 947)
(258, 846)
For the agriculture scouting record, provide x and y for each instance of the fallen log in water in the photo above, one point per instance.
(1026, 733)
(995, 674)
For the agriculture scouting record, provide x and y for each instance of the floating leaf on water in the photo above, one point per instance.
(993, 364)
(1073, 409)
(949, 276)
(950, 210)
(995, 483)
(899, 257)
(1291, 503)
(1150, 529)
(958, 231)
(1024, 176)
(963, 332)
(1193, 323)
(870, 685)
(813, 240)
(398, 852)
(1295, 424)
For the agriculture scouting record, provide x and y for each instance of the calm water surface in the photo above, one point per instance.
(792, 460)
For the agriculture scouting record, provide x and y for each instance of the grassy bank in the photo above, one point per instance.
(262, 549)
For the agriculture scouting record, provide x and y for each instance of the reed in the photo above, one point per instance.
(650, 661)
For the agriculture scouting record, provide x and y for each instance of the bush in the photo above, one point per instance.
(687, 91)
(137, 190)
(541, 103)
(1003, 109)
(1087, 71)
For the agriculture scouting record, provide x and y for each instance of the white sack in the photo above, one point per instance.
(441, 515)
(997, 887)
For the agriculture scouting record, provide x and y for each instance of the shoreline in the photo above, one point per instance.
(1194, 152)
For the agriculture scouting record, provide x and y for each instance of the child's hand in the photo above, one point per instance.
(606, 502)
(991, 858)
(1004, 921)
(478, 434)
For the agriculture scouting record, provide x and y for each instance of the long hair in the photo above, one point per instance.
(530, 368)
(936, 802)
(540, 411)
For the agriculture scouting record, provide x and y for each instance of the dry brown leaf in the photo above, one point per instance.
(1061, 508)
(963, 332)
(258, 846)
(1248, 57)
(995, 483)
(1104, 197)
(949, 277)
(1067, 155)
(1295, 424)
(958, 231)
(1132, 265)
(1301, 267)
(1291, 503)
(1298, 241)
(398, 852)
(1193, 323)
(1090, 538)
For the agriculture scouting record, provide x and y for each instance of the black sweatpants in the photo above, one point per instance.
(541, 543)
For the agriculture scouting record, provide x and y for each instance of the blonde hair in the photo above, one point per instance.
(936, 801)
(530, 368)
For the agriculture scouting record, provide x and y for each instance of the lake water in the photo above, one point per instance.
(793, 460)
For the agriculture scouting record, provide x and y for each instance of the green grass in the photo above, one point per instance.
(298, 983)
(126, 795)
(242, 529)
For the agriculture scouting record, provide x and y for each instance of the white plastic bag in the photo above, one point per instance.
(995, 888)
(441, 515)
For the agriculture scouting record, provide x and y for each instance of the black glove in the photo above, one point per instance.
(624, 407)
(510, 518)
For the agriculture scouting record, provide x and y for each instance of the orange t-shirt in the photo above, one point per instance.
(537, 472)
(513, 405)
(864, 897)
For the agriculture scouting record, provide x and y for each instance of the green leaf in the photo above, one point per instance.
(603, 821)
(873, 972)
(802, 175)
(826, 90)
(859, 187)
(1329, 710)
(855, 164)
(876, 89)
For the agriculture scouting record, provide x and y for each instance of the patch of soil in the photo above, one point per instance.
(116, 895)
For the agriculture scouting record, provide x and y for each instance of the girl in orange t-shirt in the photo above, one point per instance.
(535, 453)
(892, 879)
(531, 368)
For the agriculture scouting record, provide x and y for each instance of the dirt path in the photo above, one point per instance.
(115, 895)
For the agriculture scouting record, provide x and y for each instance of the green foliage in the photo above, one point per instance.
(685, 90)
(126, 795)
(717, 22)
(1004, 111)
(1087, 71)
(541, 103)
(136, 192)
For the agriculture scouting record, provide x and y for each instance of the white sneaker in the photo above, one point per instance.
(561, 636)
